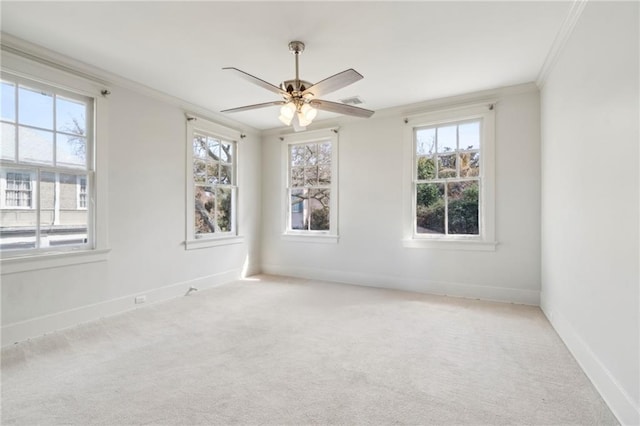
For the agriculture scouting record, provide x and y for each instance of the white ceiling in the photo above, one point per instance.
(408, 52)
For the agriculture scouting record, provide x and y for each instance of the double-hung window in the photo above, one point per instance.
(452, 182)
(212, 188)
(47, 148)
(311, 185)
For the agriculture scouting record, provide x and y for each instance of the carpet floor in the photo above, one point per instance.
(274, 350)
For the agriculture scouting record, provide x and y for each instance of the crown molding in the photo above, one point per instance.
(33, 52)
(562, 37)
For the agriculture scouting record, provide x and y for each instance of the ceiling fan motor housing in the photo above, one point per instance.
(289, 86)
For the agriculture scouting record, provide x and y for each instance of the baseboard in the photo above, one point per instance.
(23, 330)
(470, 291)
(618, 400)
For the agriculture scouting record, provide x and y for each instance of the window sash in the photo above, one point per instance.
(216, 176)
(290, 187)
(445, 181)
(52, 165)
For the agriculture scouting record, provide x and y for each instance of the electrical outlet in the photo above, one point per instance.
(140, 299)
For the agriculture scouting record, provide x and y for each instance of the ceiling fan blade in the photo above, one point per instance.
(254, 106)
(255, 80)
(341, 108)
(333, 83)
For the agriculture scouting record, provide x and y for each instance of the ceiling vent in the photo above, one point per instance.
(354, 100)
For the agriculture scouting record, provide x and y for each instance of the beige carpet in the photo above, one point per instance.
(275, 350)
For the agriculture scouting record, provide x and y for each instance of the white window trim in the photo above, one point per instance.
(486, 240)
(50, 72)
(194, 124)
(330, 236)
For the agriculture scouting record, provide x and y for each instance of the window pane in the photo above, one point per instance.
(463, 207)
(226, 152)
(296, 155)
(447, 166)
(430, 208)
(35, 145)
(199, 171)
(18, 218)
(425, 141)
(8, 95)
(324, 153)
(47, 199)
(205, 202)
(426, 168)
(319, 202)
(310, 176)
(324, 175)
(447, 139)
(65, 225)
(226, 176)
(213, 171)
(71, 151)
(297, 176)
(223, 213)
(8, 142)
(298, 208)
(311, 154)
(470, 164)
(200, 146)
(214, 148)
(469, 135)
(70, 116)
(35, 108)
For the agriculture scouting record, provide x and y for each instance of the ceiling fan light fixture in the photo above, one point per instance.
(286, 113)
(302, 120)
(308, 112)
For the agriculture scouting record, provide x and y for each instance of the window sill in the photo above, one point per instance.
(450, 244)
(310, 238)
(48, 260)
(213, 242)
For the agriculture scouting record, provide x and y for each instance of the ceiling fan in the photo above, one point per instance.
(300, 102)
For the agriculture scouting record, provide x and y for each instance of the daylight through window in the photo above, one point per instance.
(46, 151)
(448, 178)
(215, 188)
(309, 186)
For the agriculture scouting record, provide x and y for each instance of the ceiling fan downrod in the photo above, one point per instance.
(297, 47)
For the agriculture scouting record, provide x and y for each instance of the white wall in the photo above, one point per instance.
(147, 208)
(370, 250)
(589, 111)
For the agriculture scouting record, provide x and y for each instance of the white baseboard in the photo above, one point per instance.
(470, 291)
(23, 330)
(618, 400)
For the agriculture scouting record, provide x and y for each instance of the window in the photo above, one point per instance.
(311, 184)
(452, 194)
(47, 148)
(82, 192)
(212, 191)
(448, 178)
(18, 192)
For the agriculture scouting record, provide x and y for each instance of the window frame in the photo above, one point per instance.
(314, 236)
(29, 71)
(199, 125)
(485, 240)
